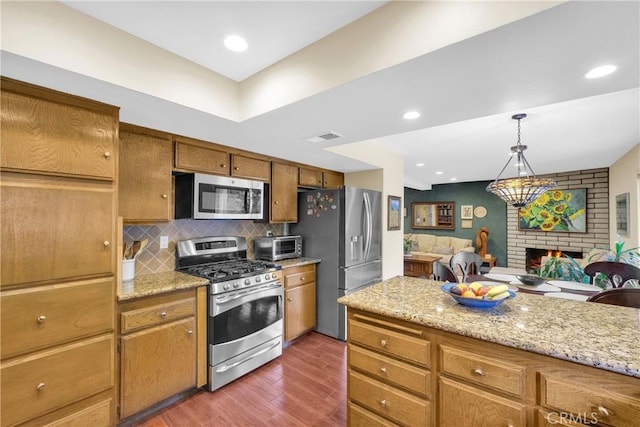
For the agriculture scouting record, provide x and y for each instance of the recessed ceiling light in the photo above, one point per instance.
(453, 179)
(601, 71)
(439, 173)
(419, 165)
(236, 43)
(410, 115)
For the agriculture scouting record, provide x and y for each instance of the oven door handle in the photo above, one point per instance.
(225, 368)
(246, 294)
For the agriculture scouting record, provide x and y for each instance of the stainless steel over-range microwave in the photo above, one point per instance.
(275, 248)
(202, 196)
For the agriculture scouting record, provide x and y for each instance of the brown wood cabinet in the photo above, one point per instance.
(58, 258)
(198, 156)
(318, 178)
(300, 300)
(162, 348)
(145, 184)
(397, 369)
(250, 168)
(332, 179)
(284, 193)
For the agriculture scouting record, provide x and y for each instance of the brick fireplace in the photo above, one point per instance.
(533, 256)
(596, 181)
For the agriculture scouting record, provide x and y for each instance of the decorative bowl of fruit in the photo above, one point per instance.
(477, 295)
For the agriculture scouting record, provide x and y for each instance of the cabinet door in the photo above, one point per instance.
(201, 159)
(284, 193)
(310, 177)
(55, 229)
(333, 179)
(144, 188)
(157, 363)
(300, 310)
(247, 167)
(462, 405)
(63, 135)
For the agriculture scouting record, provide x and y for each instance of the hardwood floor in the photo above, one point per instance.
(306, 386)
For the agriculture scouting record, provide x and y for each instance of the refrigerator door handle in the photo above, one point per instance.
(368, 232)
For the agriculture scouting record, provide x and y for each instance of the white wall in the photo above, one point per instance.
(624, 177)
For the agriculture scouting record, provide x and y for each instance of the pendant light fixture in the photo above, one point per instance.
(526, 187)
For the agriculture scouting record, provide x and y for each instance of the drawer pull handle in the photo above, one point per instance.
(383, 370)
(107, 154)
(106, 243)
(383, 343)
(41, 386)
(479, 372)
(509, 424)
(163, 314)
(42, 318)
(302, 278)
(190, 332)
(164, 196)
(603, 411)
(384, 402)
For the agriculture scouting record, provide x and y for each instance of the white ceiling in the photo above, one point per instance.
(466, 92)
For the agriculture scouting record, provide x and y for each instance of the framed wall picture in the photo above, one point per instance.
(466, 212)
(393, 213)
(556, 210)
(622, 214)
(466, 223)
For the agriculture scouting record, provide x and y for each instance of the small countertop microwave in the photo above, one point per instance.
(276, 248)
(201, 196)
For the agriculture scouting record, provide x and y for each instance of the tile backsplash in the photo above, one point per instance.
(155, 260)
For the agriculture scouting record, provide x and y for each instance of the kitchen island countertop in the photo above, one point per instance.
(593, 334)
(158, 283)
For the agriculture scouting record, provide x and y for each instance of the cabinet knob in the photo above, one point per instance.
(163, 314)
(479, 372)
(107, 154)
(190, 332)
(164, 196)
(289, 299)
(223, 165)
(384, 402)
(42, 318)
(302, 278)
(41, 386)
(603, 411)
(383, 343)
(383, 370)
(275, 203)
(236, 168)
(106, 243)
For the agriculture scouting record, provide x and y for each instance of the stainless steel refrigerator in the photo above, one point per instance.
(343, 228)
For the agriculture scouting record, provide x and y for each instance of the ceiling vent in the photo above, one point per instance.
(324, 137)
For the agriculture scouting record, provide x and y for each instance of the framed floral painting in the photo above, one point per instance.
(556, 210)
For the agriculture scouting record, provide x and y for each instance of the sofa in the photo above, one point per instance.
(442, 246)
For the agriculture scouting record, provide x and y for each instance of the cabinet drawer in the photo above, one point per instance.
(157, 314)
(392, 370)
(74, 222)
(563, 395)
(558, 419)
(54, 138)
(41, 317)
(200, 159)
(97, 415)
(247, 167)
(497, 374)
(33, 385)
(388, 401)
(462, 405)
(391, 342)
(359, 417)
(296, 276)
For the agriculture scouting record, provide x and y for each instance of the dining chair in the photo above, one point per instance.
(627, 297)
(464, 261)
(618, 273)
(443, 273)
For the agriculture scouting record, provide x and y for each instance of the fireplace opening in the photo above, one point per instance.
(533, 257)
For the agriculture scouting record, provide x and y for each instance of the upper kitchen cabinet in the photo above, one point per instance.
(56, 134)
(198, 156)
(284, 193)
(250, 168)
(144, 187)
(317, 178)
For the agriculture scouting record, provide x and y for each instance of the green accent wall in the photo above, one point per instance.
(466, 193)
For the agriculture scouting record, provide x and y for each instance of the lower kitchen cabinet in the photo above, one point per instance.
(161, 348)
(300, 300)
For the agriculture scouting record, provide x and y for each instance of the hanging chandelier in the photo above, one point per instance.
(526, 187)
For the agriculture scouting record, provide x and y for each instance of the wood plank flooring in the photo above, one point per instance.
(306, 386)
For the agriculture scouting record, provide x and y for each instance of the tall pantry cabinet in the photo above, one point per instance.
(58, 257)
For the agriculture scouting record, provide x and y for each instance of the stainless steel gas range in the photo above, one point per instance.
(245, 305)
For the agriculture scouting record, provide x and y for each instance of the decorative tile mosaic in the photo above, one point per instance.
(155, 260)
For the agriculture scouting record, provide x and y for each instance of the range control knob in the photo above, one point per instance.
(226, 286)
(267, 276)
(236, 285)
(247, 282)
(258, 279)
(274, 275)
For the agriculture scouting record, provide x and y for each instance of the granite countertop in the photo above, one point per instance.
(158, 283)
(599, 335)
(297, 262)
